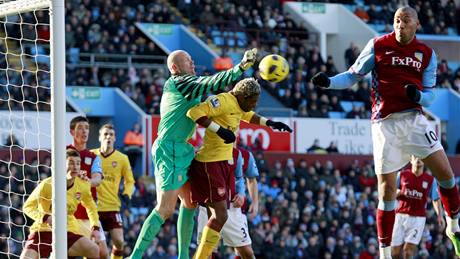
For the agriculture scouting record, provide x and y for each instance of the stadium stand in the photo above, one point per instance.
(306, 211)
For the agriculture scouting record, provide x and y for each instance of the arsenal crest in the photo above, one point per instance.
(114, 164)
(78, 195)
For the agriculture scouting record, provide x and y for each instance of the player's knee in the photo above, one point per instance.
(388, 191)
(103, 252)
(407, 253)
(118, 243)
(246, 252)
(92, 250)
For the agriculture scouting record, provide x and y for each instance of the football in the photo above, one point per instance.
(273, 68)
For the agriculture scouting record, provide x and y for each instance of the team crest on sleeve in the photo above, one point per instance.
(419, 56)
(424, 184)
(114, 164)
(88, 160)
(215, 102)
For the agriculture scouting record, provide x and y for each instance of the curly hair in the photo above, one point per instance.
(247, 87)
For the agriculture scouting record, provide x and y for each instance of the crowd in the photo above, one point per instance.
(437, 17)
(91, 28)
(306, 211)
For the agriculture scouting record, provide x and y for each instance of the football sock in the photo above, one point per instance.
(185, 224)
(385, 222)
(209, 240)
(150, 229)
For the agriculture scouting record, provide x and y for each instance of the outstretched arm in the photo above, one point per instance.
(260, 120)
(192, 86)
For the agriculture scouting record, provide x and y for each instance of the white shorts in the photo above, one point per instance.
(235, 231)
(398, 137)
(85, 229)
(407, 229)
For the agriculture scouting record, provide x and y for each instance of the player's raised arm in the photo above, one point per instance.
(363, 65)
(40, 195)
(260, 120)
(192, 86)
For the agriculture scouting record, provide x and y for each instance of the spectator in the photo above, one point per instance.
(351, 54)
(316, 148)
(332, 147)
(133, 143)
(362, 14)
(12, 141)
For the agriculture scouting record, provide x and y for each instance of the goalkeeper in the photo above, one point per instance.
(38, 208)
(171, 152)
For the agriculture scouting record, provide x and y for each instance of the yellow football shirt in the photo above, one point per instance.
(224, 110)
(39, 204)
(114, 166)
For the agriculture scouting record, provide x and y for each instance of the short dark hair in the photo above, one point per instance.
(72, 153)
(76, 120)
(107, 126)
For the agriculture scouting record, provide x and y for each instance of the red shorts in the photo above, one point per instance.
(41, 242)
(110, 220)
(209, 181)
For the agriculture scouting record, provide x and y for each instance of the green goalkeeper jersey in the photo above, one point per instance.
(182, 92)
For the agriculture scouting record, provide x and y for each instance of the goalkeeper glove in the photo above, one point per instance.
(278, 126)
(321, 80)
(248, 59)
(226, 134)
(412, 92)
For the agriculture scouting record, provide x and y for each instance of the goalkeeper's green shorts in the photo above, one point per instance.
(172, 160)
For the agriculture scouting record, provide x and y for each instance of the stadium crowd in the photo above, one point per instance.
(90, 28)
(306, 211)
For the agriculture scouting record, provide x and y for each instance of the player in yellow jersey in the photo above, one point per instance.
(210, 176)
(115, 165)
(38, 208)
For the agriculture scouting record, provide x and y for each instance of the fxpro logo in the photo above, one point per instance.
(413, 194)
(407, 61)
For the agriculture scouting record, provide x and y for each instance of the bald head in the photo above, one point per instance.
(407, 10)
(179, 63)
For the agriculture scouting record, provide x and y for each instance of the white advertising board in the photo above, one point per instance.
(353, 136)
(31, 129)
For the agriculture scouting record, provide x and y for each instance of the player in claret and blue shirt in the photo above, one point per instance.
(415, 187)
(403, 75)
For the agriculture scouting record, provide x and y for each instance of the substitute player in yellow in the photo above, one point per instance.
(115, 165)
(38, 208)
(210, 176)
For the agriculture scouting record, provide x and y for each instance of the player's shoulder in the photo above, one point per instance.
(219, 100)
(119, 155)
(47, 182)
(81, 184)
(181, 79)
(95, 151)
